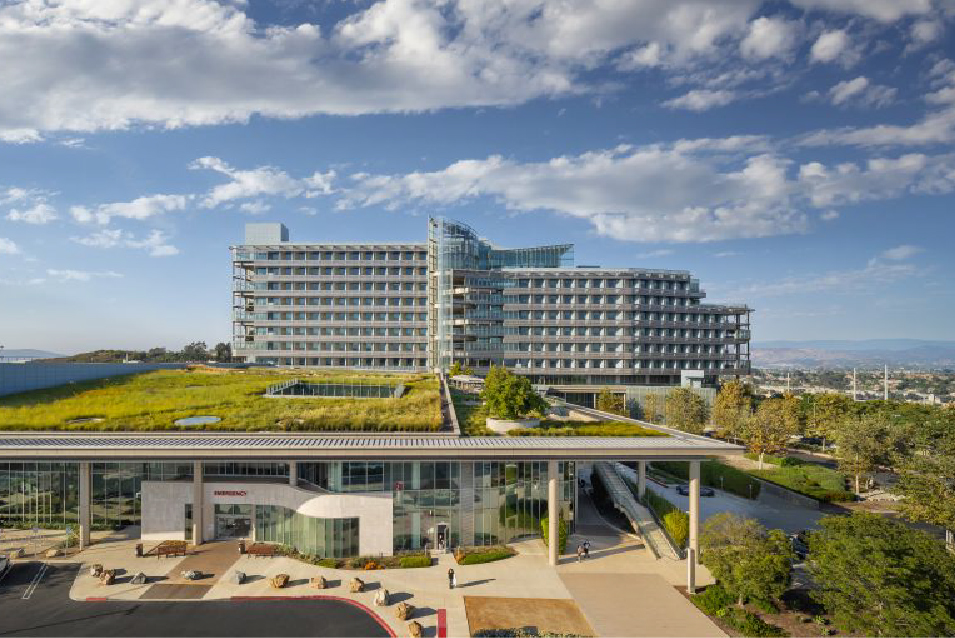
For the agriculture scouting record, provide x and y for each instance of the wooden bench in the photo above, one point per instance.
(262, 549)
(168, 548)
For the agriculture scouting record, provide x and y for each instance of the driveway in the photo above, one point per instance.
(34, 601)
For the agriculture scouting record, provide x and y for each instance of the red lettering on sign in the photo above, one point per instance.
(230, 493)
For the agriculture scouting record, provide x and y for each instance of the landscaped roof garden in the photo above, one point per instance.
(156, 400)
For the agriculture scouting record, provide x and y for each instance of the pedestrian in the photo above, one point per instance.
(451, 580)
(586, 549)
(580, 552)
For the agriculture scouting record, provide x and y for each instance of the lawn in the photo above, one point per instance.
(586, 428)
(155, 400)
(808, 479)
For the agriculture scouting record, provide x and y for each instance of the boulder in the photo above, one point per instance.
(404, 611)
(96, 570)
(139, 579)
(191, 574)
(16, 553)
(52, 552)
(108, 577)
(414, 629)
(319, 582)
(279, 581)
(238, 577)
(356, 585)
(382, 598)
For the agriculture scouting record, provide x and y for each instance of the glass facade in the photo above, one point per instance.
(42, 494)
(325, 537)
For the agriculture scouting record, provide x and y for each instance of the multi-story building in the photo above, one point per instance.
(459, 299)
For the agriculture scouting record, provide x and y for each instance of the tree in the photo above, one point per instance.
(733, 404)
(751, 562)
(927, 475)
(455, 369)
(685, 410)
(510, 396)
(223, 352)
(651, 407)
(826, 412)
(864, 443)
(613, 403)
(878, 577)
(768, 429)
(195, 351)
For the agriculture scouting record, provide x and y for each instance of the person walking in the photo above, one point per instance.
(451, 578)
(586, 549)
(580, 552)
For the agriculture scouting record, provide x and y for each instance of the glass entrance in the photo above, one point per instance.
(233, 521)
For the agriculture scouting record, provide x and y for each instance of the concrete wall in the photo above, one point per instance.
(164, 516)
(21, 377)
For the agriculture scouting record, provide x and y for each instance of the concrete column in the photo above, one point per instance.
(293, 473)
(553, 515)
(198, 503)
(641, 479)
(695, 509)
(85, 504)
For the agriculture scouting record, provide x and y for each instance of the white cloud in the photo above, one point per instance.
(829, 215)
(873, 275)
(653, 254)
(255, 208)
(701, 99)
(863, 92)
(19, 135)
(924, 32)
(883, 10)
(66, 275)
(38, 214)
(900, 253)
(156, 243)
(264, 180)
(834, 46)
(8, 247)
(140, 208)
(726, 253)
(768, 38)
(876, 179)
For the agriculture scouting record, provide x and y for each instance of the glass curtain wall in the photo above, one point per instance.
(116, 489)
(41, 494)
(325, 537)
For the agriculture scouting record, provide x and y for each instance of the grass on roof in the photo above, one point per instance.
(155, 400)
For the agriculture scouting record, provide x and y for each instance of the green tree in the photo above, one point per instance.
(878, 577)
(195, 351)
(613, 403)
(751, 562)
(223, 352)
(651, 407)
(455, 369)
(927, 476)
(733, 404)
(864, 443)
(826, 412)
(685, 410)
(768, 429)
(510, 396)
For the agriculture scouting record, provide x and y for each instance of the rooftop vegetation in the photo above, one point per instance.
(155, 400)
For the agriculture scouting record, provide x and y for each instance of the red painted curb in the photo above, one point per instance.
(355, 603)
(96, 599)
(442, 623)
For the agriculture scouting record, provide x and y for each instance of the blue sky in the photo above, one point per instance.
(796, 156)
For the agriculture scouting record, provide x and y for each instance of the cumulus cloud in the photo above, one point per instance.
(834, 46)
(155, 244)
(37, 214)
(863, 92)
(8, 247)
(264, 180)
(769, 37)
(68, 275)
(701, 99)
(878, 178)
(899, 253)
(883, 10)
(140, 208)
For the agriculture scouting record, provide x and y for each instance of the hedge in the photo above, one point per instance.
(675, 521)
(733, 480)
(717, 602)
(414, 561)
(481, 557)
(561, 534)
(811, 480)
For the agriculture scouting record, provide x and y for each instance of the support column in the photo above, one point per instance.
(553, 515)
(293, 473)
(693, 553)
(85, 503)
(641, 479)
(198, 503)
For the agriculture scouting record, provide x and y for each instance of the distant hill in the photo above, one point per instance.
(27, 353)
(867, 353)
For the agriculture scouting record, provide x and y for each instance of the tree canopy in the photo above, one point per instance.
(768, 429)
(864, 443)
(613, 403)
(733, 404)
(927, 477)
(878, 577)
(510, 396)
(751, 562)
(685, 410)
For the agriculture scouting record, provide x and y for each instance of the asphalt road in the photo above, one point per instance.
(34, 601)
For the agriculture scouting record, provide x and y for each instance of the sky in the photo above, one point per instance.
(795, 156)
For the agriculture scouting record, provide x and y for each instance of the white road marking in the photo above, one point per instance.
(36, 581)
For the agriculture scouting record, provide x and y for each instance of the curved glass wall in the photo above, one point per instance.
(325, 537)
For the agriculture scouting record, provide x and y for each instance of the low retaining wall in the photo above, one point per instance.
(787, 494)
(502, 426)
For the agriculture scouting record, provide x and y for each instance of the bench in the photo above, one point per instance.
(262, 549)
(166, 549)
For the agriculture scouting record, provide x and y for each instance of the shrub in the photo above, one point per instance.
(712, 599)
(561, 534)
(371, 565)
(677, 525)
(331, 563)
(750, 624)
(478, 558)
(414, 561)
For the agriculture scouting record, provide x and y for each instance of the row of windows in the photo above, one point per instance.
(326, 255)
(582, 315)
(327, 285)
(616, 347)
(340, 316)
(345, 332)
(339, 346)
(648, 284)
(341, 301)
(328, 271)
(344, 363)
(616, 331)
(617, 364)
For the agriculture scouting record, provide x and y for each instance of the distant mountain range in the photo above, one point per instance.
(27, 353)
(865, 353)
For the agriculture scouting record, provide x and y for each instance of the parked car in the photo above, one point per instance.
(798, 544)
(4, 565)
(704, 491)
